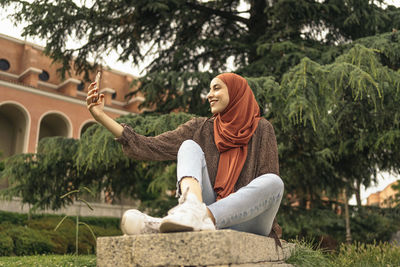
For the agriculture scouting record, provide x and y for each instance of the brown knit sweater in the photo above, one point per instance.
(262, 155)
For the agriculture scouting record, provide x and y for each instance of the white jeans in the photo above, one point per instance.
(250, 209)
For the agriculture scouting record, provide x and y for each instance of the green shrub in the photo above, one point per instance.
(311, 224)
(62, 244)
(20, 236)
(12, 217)
(6, 245)
(368, 227)
(29, 241)
(101, 231)
(50, 222)
(327, 228)
(6, 225)
(65, 234)
(105, 222)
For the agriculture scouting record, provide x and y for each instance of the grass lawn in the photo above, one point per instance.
(304, 255)
(354, 255)
(49, 261)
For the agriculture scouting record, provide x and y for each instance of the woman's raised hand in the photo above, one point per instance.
(95, 104)
(95, 101)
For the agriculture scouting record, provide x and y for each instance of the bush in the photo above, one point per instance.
(29, 241)
(5, 225)
(6, 245)
(62, 244)
(327, 228)
(105, 222)
(38, 236)
(64, 237)
(315, 224)
(368, 227)
(12, 217)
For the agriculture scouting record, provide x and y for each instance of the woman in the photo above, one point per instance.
(227, 165)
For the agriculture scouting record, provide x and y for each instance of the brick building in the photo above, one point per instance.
(35, 103)
(384, 198)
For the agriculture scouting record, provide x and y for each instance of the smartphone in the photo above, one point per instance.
(97, 86)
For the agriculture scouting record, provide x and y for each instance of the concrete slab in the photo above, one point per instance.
(206, 248)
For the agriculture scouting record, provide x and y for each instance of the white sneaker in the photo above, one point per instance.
(134, 222)
(189, 215)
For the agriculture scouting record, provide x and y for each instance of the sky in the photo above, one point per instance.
(7, 27)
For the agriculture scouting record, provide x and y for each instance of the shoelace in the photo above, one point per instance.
(182, 199)
(153, 222)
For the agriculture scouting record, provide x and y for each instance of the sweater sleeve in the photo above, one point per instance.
(161, 147)
(269, 162)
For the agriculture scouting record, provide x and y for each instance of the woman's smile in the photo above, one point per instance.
(212, 102)
(218, 97)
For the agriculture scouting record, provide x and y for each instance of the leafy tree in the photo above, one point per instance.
(185, 37)
(349, 119)
(63, 165)
(330, 96)
(395, 200)
(40, 178)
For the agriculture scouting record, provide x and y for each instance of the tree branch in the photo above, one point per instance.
(220, 13)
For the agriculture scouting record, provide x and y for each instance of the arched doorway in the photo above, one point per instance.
(14, 125)
(54, 124)
(14, 121)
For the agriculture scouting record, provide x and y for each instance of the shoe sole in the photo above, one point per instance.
(171, 227)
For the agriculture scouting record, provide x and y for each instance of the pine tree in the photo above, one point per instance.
(185, 37)
(332, 97)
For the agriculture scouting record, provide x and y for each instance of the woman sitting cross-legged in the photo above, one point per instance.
(227, 165)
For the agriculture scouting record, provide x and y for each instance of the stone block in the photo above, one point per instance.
(206, 248)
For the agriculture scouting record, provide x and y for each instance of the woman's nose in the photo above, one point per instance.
(209, 95)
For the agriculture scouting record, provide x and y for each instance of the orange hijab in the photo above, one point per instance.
(233, 129)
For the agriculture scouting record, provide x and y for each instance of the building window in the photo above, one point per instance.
(80, 86)
(4, 64)
(114, 95)
(44, 76)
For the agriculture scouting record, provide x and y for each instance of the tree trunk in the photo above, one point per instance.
(258, 24)
(29, 212)
(347, 216)
(357, 192)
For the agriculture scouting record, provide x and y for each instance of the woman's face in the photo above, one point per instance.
(218, 96)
